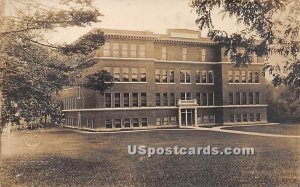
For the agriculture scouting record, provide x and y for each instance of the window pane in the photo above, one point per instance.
(107, 49)
(127, 123)
(143, 99)
(204, 99)
(133, 50)
(210, 77)
(211, 99)
(198, 95)
(256, 77)
(257, 99)
(251, 98)
(184, 53)
(250, 77)
(251, 117)
(135, 122)
(158, 121)
(116, 74)
(125, 50)
(230, 98)
(182, 76)
(237, 98)
(203, 55)
(157, 75)
(245, 118)
(243, 76)
(198, 77)
(118, 123)
(188, 76)
(134, 75)
(171, 76)
(230, 76)
(165, 99)
(108, 123)
(116, 49)
(107, 100)
(164, 76)
(164, 53)
(135, 99)
(144, 122)
(257, 117)
(237, 76)
(143, 75)
(244, 98)
(157, 99)
(125, 74)
(117, 100)
(204, 77)
(142, 51)
(172, 99)
(126, 99)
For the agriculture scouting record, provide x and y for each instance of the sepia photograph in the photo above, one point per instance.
(150, 93)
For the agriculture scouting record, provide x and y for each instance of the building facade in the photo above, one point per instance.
(178, 79)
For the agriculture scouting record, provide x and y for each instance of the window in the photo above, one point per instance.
(116, 51)
(165, 121)
(157, 99)
(126, 99)
(237, 76)
(199, 119)
(108, 123)
(185, 76)
(212, 119)
(257, 117)
(172, 99)
(250, 77)
(238, 118)
(243, 76)
(198, 77)
(184, 53)
(144, 122)
(211, 99)
(237, 98)
(116, 74)
(210, 77)
(198, 97)
(164, 53)
(125, 74)
(125, 50)
(245, 117)
(252, 117)
(257, 99)
(205, 119)
(255, 58)
(134, 75)
(251, 98)
(143, 75)
(230, 98)
(127, 123)
(118, 123)
(232, 118)
(133, 50)
(164, 76)
(117, 100)
(230, 76)
(144, 99)
(158, 121)
(142, 51)
(135, 99)
(135, 122)
(107, 100)
(157, 75)
(204, 99)
(244, 98)
(106, 49)
(172, 120)
(165, 99)
(256, 77)
(186, 96)
(171, 76)
(203, 55)
(204, 77)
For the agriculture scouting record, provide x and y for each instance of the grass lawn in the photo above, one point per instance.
(284, 129)
(66, 158)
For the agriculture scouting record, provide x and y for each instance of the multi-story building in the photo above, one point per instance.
(177, 79)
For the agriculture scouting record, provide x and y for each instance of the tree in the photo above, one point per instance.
(271, 27)
(34, 69)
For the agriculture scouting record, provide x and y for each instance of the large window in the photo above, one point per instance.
(126, 99)
(116, 49)
(171, 76)
(237, 98)
(165, 99)
(133, 50)
(106, 50)
(198, 97)
(204, 77)
(108, 123)
(157, 75)
(186, 96)
(134, 75)
(251, 98)
(210, 99)
(230, 76)
(142, 51)
(126, 123)
(245, 117)
(184, 53)
(157, 99)
(116, 74)
(204, 99)
(256, 77)
(257, 117)
(143, 75)
(164, 53)
(125, 74)
(118, 123)
(135, 122)
(210, 77)
(107, 100)
(125, 50)
(185, 76)
(143, 99)
(236, 76)
(198, 76)
(117, 100)
(231, 98)
(135, 99)
(144, 122)
(257, 99)
(243, 76)
(203, 55)
(250, 76)
(172, 99)
(164, 76)
(244, 98)
(251, 117)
